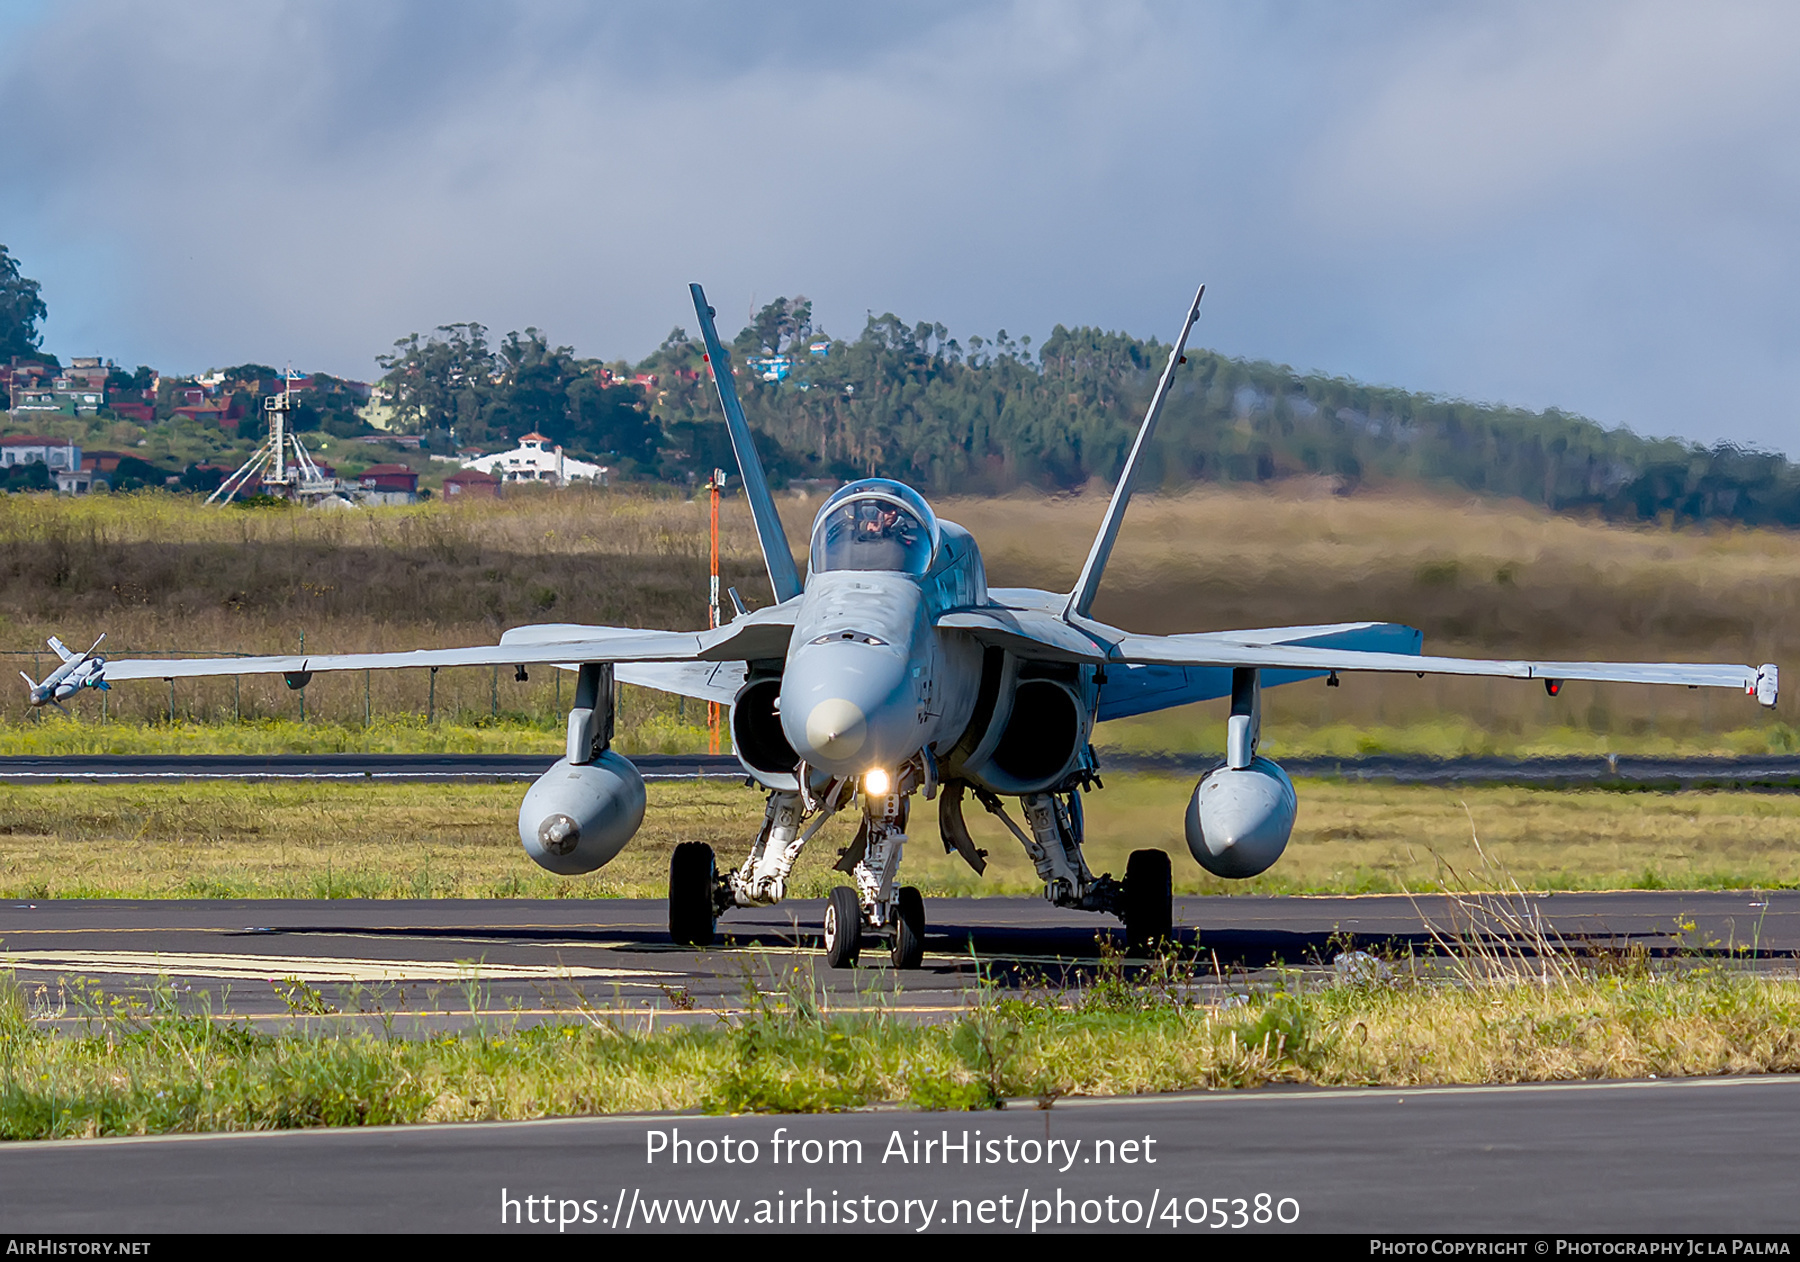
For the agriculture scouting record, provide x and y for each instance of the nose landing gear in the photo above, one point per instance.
(881, 908)
(873, 908)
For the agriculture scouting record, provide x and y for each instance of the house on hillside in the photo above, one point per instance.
(472, 484)
(71, 396)
(208, 411)
(536, 460)
(134, 410)
(59, 454)
(387, 484)
(93, 476)
(88, 372)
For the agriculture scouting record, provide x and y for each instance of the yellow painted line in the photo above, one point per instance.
(309, 968)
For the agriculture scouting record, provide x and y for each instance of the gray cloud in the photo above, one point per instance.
(1587, 208)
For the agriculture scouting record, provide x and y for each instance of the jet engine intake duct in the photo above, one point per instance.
(578, 816)
(1044, 734)
(756, 733)
(1240, 818)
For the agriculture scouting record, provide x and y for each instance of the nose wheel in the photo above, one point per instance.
(908, 950)
(844, 928)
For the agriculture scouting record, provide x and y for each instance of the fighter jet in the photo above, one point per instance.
(894, 672)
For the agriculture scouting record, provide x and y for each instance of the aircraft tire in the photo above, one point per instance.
(693, 917)
(1149, 910)
(909, 928)
(843, 928)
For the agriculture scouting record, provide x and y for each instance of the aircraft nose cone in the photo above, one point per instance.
(836, 728)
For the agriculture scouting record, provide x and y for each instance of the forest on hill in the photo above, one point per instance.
(990, 415)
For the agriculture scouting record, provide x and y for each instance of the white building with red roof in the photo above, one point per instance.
(59, 453)
(536, 459)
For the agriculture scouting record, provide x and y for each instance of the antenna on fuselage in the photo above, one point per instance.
(1081, 600)
(784, 577)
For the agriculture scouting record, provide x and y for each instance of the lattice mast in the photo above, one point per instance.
(299, 478)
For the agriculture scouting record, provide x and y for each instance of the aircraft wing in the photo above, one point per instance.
(759, 635)
(624, 645)
(703, 681)
(1144, 687)
(1214, 650)
(1290, 653)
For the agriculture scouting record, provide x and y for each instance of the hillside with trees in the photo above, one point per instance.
(975, 416)
(990, 415)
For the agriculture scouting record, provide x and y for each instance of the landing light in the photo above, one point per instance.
(876, 782)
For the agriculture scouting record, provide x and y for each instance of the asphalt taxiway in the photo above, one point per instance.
(1697, 1155)
(429, 965)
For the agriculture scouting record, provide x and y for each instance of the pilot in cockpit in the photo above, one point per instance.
(879, 521)
(871, 533)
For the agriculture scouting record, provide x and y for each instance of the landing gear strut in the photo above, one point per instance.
(1144, 900)
(897, 913)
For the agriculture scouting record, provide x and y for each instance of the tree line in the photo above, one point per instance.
(990, 415)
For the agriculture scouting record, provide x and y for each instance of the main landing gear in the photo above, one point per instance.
(1144, 900)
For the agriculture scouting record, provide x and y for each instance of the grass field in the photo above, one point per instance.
(140, 1066)
(419, 841)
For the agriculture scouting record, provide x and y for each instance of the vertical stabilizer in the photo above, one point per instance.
(1081, 600)
(783, 576)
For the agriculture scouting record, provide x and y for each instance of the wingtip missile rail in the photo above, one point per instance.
(78, 671)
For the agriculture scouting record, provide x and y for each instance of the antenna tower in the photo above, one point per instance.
(282, 461)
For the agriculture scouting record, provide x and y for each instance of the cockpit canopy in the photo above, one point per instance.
(875, 524)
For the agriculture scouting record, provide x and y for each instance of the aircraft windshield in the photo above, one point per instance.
(874, 530)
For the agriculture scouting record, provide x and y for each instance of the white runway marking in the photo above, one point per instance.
(308, 968)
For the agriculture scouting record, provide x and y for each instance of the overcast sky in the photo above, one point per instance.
(1591, 206)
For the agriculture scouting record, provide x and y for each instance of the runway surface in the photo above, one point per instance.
(421, 966)
(1708, 1155)
(1759, 772)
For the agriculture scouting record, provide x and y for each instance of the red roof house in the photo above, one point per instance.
(472, 483)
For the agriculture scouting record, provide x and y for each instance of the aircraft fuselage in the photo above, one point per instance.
(869, 679)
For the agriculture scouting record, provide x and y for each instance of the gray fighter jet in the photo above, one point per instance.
(893, 671)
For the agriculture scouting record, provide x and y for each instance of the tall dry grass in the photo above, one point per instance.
(1478, 577)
